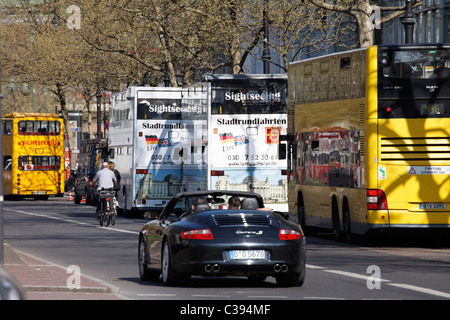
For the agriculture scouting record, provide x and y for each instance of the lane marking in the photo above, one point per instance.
(211, 295)
(323, 298)
(338, 272)
(353, 275)
(269, 297)
(310, 266)
(156, 295)
(71, 221)
(388, 282)
(421, 290)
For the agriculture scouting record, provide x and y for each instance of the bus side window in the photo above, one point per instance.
(7, 127)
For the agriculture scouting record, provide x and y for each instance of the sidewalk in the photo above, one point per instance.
(42, 280)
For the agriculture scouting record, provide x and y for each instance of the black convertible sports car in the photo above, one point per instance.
(211, 240)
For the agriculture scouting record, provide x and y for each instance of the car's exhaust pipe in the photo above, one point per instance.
(280, 268)
(212, 267)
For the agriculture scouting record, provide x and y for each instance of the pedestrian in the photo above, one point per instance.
(117, 186)
(234, 203)
(111, 167)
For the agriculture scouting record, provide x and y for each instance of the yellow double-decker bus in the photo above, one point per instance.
(33, 151)
(371, 139)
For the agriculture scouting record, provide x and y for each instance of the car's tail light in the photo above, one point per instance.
(376, 200)
(199, 234)
(289, 234)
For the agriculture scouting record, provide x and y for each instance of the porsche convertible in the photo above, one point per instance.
(196, 234)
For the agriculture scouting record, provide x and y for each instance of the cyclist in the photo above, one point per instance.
(106, 179)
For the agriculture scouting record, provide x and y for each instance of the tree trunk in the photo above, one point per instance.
(61, 94)
(361, 10)
(362, 14)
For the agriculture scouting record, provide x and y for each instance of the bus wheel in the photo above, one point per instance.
(41, 197)
(347, 225)
(335, 219)
(300, 211)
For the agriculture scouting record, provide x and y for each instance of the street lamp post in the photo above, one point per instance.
(409, 22)
(266, 52)
(2, 251)
(99, 114)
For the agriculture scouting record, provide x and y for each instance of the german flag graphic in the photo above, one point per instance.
(226, 137)
(151, 139)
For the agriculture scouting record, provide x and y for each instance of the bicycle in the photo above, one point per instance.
(108, 206)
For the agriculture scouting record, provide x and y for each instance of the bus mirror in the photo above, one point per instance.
(287, 137)
(282, 151)
(111, 153)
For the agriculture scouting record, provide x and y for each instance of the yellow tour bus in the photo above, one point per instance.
(370, 139)
(33, 151)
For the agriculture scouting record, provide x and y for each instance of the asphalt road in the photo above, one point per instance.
(59, 231)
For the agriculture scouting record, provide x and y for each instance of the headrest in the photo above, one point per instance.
(201, 207)
(249, 203)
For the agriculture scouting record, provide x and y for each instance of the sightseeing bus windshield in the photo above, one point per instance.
(258, 97)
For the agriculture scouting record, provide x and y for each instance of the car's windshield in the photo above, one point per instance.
(187, 204)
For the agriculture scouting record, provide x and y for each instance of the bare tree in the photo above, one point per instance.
(361, 11)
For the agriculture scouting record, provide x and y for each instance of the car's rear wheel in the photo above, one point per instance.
(291, 279)
(145, 273)
(169, 276)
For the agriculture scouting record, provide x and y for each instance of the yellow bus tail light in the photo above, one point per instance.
(376, 200)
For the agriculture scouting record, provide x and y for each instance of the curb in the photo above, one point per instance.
(36, 275)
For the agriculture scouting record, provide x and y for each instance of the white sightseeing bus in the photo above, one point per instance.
(157, 140)
(246, 116)
(222, 133)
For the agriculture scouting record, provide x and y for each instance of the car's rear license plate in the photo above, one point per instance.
(437, 205)
(39, 192)
(247, 254)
